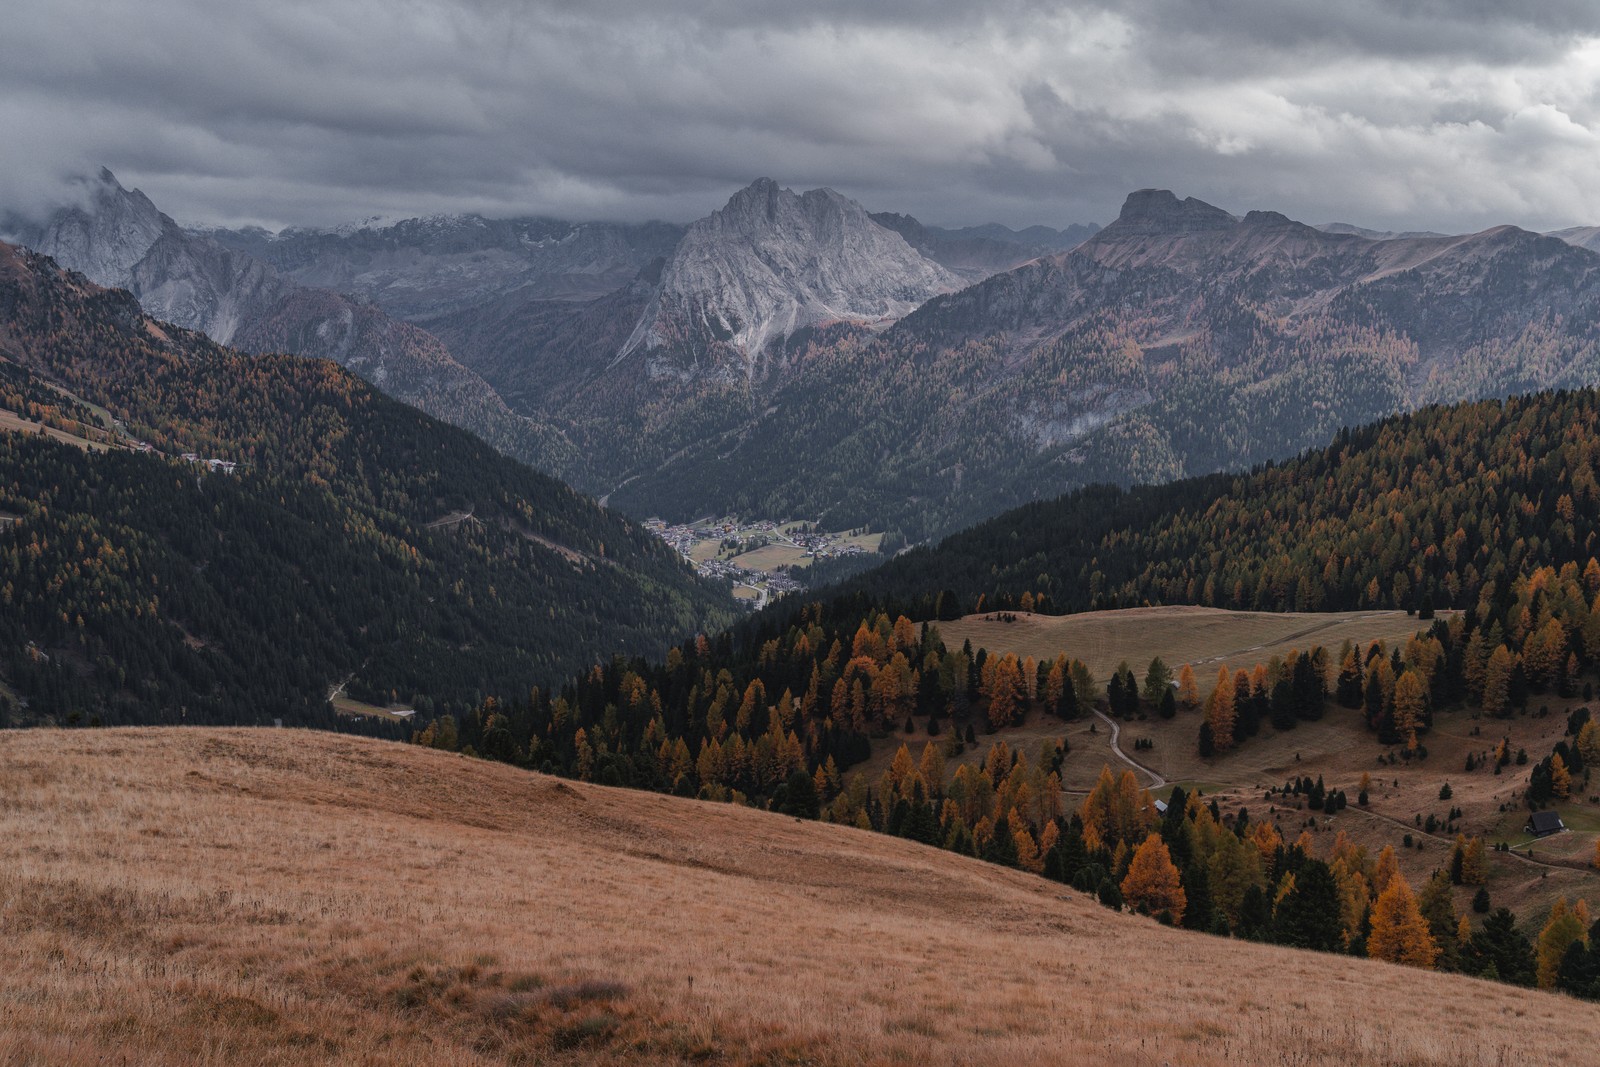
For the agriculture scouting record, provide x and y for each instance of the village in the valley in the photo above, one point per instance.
(763, 560)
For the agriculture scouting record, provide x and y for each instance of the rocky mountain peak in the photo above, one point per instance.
(771, 262)
(104, 234)
(1159, 211)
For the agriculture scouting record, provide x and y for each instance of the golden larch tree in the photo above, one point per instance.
(1410, 705)
(1220, 715)
(1497, 680)
(1564, 926)
(1474, 864)
(1152, 884)
(1388, 870)
(1399, 932)
(1188, 689)
(1560, 777)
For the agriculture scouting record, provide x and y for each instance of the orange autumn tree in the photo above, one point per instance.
(1399, 932)
(1152, 885)
(1410, 705)
(1188, 688)
(1220, 714)
(1116, 811)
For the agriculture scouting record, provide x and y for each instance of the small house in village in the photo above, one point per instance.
(1544, 823)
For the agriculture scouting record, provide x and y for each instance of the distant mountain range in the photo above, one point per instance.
(1180, 339)
(517, 295)
(793, 354)
(119, 239)
(416, 269)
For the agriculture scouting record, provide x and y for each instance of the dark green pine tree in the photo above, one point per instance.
(1501, 946)
(1351, 687)
(1169, 704)
(1281, 707)
(1308, 916)
(1002, 847)
(1255, 915)
(1074, 853)
(1198, 911)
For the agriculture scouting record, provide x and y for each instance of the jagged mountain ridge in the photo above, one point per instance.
(768, 264)
(119, 239)
(1178, 340)
(423, 268)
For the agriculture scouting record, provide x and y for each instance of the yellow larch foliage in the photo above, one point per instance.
(1152, 884)
(1564, 926)
(1560, 777)
(1388, 870)
(1399, 932)
(1188, 690)
(1267, 841)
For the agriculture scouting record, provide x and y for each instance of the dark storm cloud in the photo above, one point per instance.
(1445, 115)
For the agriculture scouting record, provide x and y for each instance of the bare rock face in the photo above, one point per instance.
(105, 236)
(769, 264)
(1158, 211)
(119, 239)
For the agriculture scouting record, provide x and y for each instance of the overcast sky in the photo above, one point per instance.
(1404, 114)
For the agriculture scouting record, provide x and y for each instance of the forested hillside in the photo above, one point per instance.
(356, 537)
(1487, 507)
(1449, 505)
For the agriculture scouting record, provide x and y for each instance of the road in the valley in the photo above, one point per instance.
(1156, 780)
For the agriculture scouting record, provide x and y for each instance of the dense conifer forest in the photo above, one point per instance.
(355, 539)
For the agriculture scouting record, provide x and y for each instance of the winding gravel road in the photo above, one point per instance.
(1156, 781)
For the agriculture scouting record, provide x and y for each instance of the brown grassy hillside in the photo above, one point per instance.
(229, 896)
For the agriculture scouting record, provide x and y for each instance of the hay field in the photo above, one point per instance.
(1205, 638)
(285, 897)
(11, 421)
(771, 557)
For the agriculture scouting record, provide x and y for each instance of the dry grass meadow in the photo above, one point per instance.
(13, 422)
(281, 897)
(1205, 638)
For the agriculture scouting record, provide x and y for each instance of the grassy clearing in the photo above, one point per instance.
(865, 542)
(771, 557)
(10, 420)
(1338, 748)
(182, 896)
(1205, 638)
(704, 550)
(346, 706)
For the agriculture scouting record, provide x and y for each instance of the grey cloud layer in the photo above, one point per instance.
(1412, 114)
